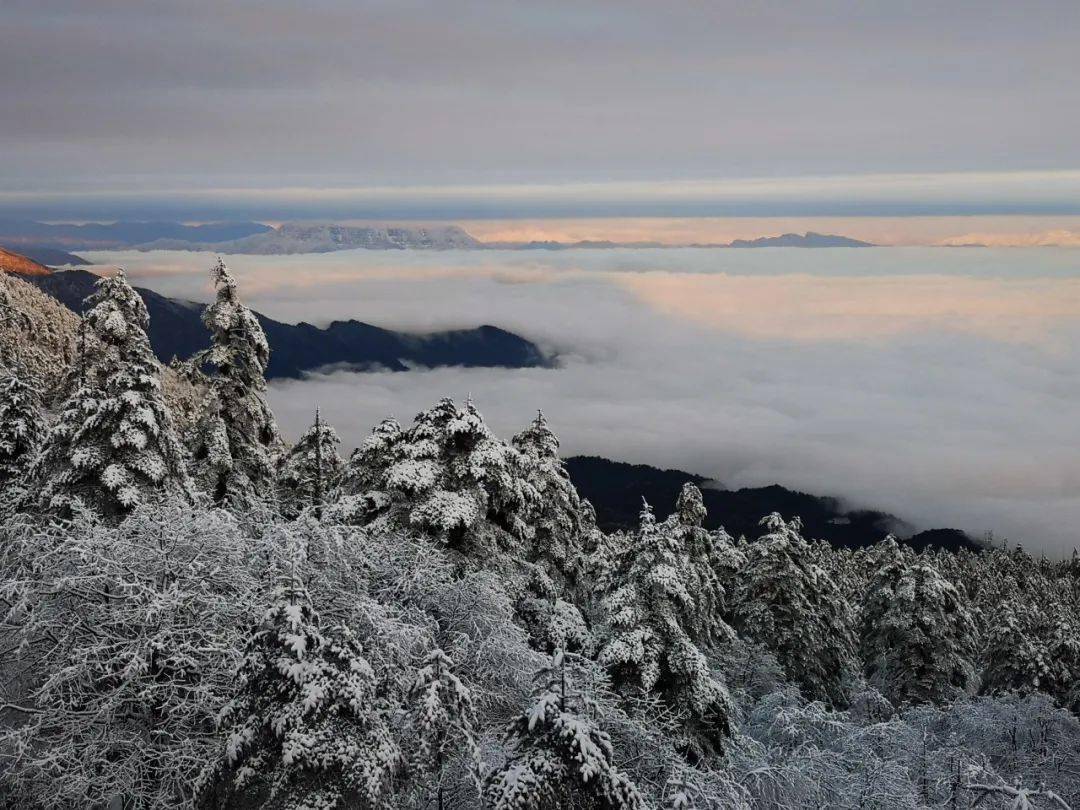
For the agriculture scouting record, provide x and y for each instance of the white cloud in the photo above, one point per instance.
(959, 411)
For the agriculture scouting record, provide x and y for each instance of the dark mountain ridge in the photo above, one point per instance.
(616, 488)
(176, 330)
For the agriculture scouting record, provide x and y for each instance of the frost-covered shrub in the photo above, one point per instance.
(127, 638)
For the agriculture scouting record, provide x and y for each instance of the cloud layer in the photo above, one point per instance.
(363, 93)
(938, 384)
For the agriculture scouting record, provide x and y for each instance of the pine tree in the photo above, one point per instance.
(647, 645)
(307, 728)
(556, 542)
(114, 446)
(309, 471)
(918, 637)
(442, 714)
(559, 757)
(22, 424)
(1016, 655)
(555, 548)
(709, 564)
(22, 428)
(447, 477)
(792, 607)
(236, 441)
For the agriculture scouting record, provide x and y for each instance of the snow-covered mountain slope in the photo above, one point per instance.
(321, 238)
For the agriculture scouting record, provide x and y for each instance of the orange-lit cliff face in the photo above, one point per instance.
(20, 265)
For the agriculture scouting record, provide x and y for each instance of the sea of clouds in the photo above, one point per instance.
(938, 384)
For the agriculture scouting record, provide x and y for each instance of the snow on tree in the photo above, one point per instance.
(1016, 657)
(1018, 796)
(1033, 647)
(917, 636)
(556, 542)
(309, 471)
(559, 758)
(114, 446)
(709, 565)
(22, 424)
(560, 523)
(236, 443)
(308, 728)
(38, 333)
(791, 606)
(22, 428)
(446, 476)
(123, 643)
(647, 643)
(552, 622)
(443, 717)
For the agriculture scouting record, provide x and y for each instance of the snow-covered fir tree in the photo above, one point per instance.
(113, 446)
(443, 717)
(559, 758)
(556, 542)
(647, 640)
(918, 638)
(308, 728)
(446, 476)
(1033, 645)
(709, 565)
(791, 606)
(555, 548)
(22, 429)
(1016, 656)
(310, 470)
(22, 423)
(235, 444)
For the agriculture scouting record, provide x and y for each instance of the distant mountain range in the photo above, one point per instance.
(110, 236)
(297, 238)
(176, 330)
(258, 239)
(615, 489)
(806, 240)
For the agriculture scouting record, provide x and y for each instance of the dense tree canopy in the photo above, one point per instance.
(312, 633)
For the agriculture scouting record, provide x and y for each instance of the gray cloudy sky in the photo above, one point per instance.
(154, 97)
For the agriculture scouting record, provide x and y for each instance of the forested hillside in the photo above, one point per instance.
(176, 331)
(220, 616)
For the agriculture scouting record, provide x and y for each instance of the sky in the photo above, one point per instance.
(938, 385)
(479, 109)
